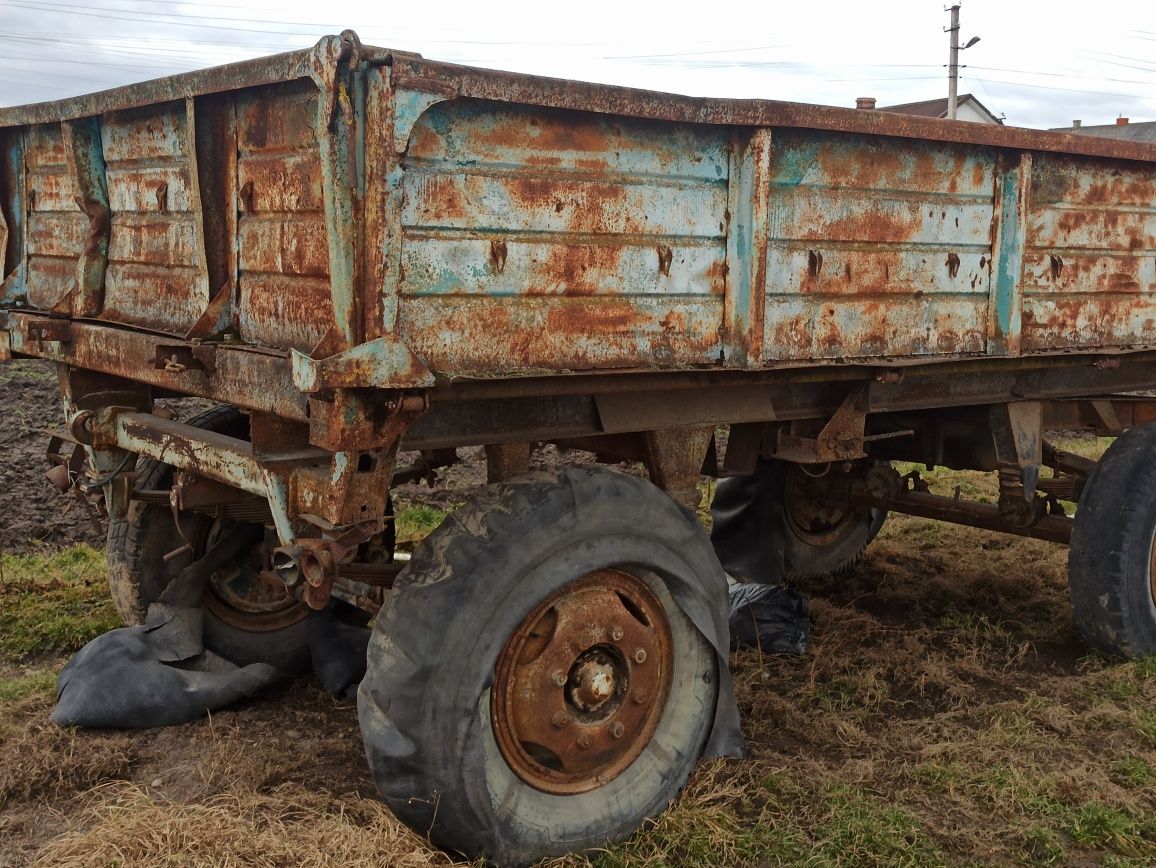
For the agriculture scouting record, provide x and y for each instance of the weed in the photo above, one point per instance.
(53, 603)
(1094, 824)
(1146, 726)
(1042, 847)
(1134, 771)
(415, 522)
(36, 682)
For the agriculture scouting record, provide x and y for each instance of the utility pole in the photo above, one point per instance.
(953, 65)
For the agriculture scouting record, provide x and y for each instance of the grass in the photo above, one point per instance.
(125, 824)
(19, 369)
(52, 603)
(415, 522)
(947, 712)
(31, 683)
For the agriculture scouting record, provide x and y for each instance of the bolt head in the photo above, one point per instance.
(639, 655)
(617, 729)
(559, 678)
(584, 740)
(559, 718)
(639, 696)
(616, 633)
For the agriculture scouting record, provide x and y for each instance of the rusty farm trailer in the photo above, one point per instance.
(356, 251)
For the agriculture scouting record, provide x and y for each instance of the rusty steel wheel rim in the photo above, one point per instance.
(581, 684)
(1152, 571)
(811, 519)
(239, 596)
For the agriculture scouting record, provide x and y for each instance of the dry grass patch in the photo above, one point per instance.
(44, 763)
(289, 825)
(947, 712)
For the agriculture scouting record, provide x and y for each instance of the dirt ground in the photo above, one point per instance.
(946, 712)
(34, 516)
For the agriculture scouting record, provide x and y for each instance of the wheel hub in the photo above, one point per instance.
(594, 681)
(581, 683)
(239, 596)
(810, 511)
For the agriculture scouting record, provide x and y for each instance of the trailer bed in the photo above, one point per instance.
(393, 221)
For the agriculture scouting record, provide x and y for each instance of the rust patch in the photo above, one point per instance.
(549, 131)
(278, 118)
(579, 269)
(874, 166)
(281, 182)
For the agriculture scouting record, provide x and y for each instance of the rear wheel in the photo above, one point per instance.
(778, 524)
(534, 688)
(1112, 560)
(247, 620)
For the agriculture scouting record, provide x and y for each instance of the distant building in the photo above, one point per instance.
(1122, 129)
(967, 108)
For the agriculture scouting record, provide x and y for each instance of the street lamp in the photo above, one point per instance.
(953, 66)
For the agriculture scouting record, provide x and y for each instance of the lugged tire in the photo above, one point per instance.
(138, 573)
(1110, 559)
(425, 703)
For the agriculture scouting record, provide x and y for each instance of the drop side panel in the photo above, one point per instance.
(1090, 262)
(282, 243)
(877, 247)
(55, 227)
(539, 239)
(156, 266)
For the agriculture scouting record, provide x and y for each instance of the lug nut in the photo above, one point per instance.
(559, 678)
(639, 655)
(616, 729)
(584, 740)
(616, 633)
(558, 719)
(639, 696)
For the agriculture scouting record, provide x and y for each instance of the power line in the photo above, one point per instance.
(37, 84)
(38, 73)
(1062, 75)
(132, 47)
(159, 18)
(690, 53)
(56, 5)
(889, 78)
(1067, 89)
(41, 7)
(88, 61)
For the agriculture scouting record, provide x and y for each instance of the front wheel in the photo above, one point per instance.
(540, 682)
(1112, 560)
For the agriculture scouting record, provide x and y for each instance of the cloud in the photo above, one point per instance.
(1039, 70)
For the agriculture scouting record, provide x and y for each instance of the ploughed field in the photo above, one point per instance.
(946, 712)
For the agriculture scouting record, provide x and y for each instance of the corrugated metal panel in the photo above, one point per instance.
(541, 239)
(156, 269)
(56, 228)
(1089, 267)
(282, 246)
(878, 247)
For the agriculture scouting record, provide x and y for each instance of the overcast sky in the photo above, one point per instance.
(1037, 64)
